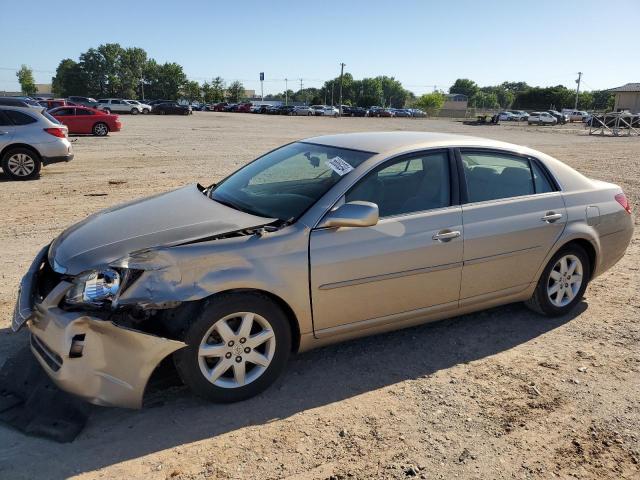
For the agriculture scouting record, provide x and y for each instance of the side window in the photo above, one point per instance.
(491, 176)
(116, 102)
(103, 101)
(64, 112)
(540, 180)
(19, 118)
(4, 120)
(406, 185)
(83, 111)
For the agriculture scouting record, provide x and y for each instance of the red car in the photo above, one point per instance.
(243, 108)
(87, 120)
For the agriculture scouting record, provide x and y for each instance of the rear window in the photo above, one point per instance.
(51, 118)
(19, 118)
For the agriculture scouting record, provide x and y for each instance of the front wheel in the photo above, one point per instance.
(562, 283)
(134, 111)
(236, 347)
(145, 111)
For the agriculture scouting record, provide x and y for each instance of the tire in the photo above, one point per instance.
(100, 129)
(21, 164)
(107, 111)
(145, 111)
(530, 123)
(232, 310)
(134, 111)
(542, 301)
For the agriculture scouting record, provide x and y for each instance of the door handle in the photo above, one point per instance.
(551, 217)
(446, 235)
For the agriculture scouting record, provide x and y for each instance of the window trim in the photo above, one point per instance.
(462, 179)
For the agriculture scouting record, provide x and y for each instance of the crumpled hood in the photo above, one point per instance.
(166, 219)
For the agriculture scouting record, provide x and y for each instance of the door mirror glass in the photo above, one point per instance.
(352, 214)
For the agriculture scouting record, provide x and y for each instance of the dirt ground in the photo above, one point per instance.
(498, 394)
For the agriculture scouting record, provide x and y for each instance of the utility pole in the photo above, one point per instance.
(577, 90)
(286, 91)
(301, 95)
(261, 86)
(142, 87)
(341, 73)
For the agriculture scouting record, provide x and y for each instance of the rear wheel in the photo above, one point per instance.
(100, 129)
(145, 111)
(21, 164)
(562, 283)
(134, 111)
(236, 348)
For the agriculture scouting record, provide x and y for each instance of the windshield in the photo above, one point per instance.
(283, 184)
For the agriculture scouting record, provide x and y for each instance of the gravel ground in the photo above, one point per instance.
(498, 394)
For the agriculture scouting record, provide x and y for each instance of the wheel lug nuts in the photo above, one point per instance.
(242, 340)
(230, 343)
(247, 349)
(227, 355)
(238, 359)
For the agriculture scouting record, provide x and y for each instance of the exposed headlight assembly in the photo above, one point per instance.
(95, 288)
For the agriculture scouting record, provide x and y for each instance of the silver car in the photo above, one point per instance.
(30, 139)
(316, 242)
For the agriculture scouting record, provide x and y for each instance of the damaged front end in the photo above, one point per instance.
(98, 351)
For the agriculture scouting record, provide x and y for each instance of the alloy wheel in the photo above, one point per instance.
(236, 350)
(565, 280)
(21, 164)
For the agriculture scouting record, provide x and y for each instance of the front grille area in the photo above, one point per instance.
(51, 358)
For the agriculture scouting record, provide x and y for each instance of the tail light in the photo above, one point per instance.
(622, 199)
(57, 132)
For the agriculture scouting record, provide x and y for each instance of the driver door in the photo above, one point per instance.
(407, 265)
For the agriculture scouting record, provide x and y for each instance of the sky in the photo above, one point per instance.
(424, 44)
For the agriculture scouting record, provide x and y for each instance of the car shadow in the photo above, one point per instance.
(173, 416)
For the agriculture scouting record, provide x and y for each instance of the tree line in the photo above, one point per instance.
(110, 70)
(520, 95)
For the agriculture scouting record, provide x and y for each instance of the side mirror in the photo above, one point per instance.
(352, 214)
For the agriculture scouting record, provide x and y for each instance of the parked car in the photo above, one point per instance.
(520, 115)
(507, 117)
(228, 278)
(83, 120)
(542, 118)
(83, 101)
(119, 105)
(286, 109)
(24, 102)
(375, 111)
(144, 108)
(303, 110)
(416, 112)
(219, 107)
(156, 102)
(575, 115)
(325, 110)
(386, 112)
(171, 108)
(50, 103)
(29, 140)
(243, 108)
(230, 107)
(560, 117)
(402, 112)
(273, 110)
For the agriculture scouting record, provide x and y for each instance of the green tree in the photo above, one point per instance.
(27, 83)
(130, 71)
(485, 100)
(70, 79)
(217, 89)
(431, 103)
(235, 92)
(464, 86)
(191, 91)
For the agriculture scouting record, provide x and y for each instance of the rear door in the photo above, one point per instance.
(67, 116)
(512, 216)
(6, 130)
(84, 120)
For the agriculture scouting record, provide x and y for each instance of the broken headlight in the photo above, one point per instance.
(94, 287)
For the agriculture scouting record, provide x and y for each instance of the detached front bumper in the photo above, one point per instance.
(109, 365)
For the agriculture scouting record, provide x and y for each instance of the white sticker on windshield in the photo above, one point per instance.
(339, 166)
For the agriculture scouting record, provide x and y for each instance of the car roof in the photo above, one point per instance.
(397, 142)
